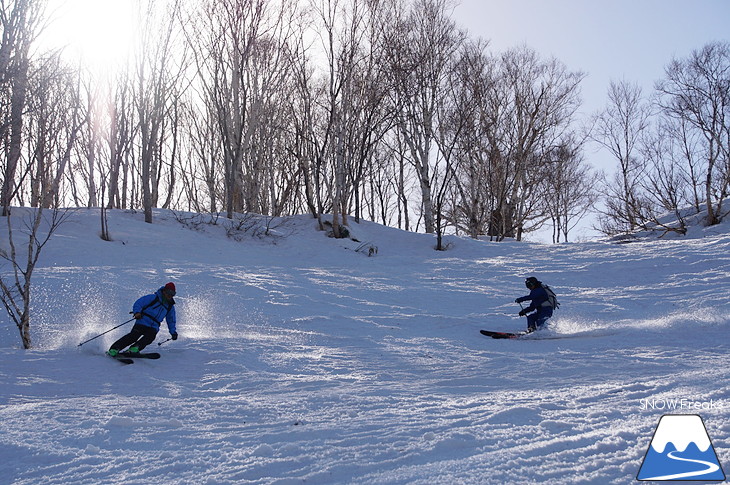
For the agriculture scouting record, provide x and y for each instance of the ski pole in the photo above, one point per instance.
(160, 343)
(92, 338)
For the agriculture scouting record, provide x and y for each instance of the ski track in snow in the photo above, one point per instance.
(301, 361)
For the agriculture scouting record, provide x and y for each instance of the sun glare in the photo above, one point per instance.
(99, 33)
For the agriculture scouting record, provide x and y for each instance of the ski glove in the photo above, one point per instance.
(523, 313)
(174, 336)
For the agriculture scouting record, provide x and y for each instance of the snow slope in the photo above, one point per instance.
(302, 360)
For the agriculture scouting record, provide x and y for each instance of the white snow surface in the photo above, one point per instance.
(303, 360)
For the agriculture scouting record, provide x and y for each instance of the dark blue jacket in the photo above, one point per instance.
(153, 311)
(538, 299)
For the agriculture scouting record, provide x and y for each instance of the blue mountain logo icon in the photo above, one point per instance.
(681, 450)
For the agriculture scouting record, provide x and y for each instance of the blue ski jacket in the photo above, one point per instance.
(538, 299)
(154, 310)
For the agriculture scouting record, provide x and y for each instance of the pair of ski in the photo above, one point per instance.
(128, 357)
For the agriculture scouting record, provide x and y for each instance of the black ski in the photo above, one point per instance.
(123, 360)
(541, 335)
(139, 355)
(511, 335)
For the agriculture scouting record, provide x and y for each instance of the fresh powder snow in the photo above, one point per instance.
(307, 359)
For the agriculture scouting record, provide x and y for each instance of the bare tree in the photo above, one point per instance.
(200, 175)
(356, 115)
(665, 187)
(20, 21)
(122, 131)
(480, 104)
(395, 153)
(240, 51)
(15, 287)
(458, 130)
(568, 187)
(159, 67)
(421, 43)
(696, 90)
(686, 153)
(341, 48)
(310, 126)
(52, 128)
(544, 96)
(619, 129)
(372, 115)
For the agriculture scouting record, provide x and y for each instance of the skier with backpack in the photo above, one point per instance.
(542, 303)
(149, 311)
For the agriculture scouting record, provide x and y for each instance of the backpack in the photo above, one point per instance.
(552, 299)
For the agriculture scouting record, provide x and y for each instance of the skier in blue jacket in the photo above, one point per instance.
(149, 311)
(539, 304)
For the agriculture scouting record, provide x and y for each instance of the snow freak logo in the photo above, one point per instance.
(681, 450)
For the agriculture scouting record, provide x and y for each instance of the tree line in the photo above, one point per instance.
(376, 109)
(672, 147)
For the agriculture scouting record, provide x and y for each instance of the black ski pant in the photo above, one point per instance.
(140, 336)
